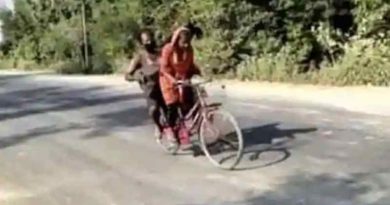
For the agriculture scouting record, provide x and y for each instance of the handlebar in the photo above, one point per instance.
(191, 84)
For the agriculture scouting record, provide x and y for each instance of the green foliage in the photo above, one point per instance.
(50, 31)
(66, 67)
(365, 63)
(6, 64)
(320, 41)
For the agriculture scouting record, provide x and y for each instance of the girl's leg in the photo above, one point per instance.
(172, 115)
(180, 130)
(188, 100)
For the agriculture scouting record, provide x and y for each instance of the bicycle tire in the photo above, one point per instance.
(205, 145)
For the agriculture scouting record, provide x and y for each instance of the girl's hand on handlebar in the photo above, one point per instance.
(182, 82)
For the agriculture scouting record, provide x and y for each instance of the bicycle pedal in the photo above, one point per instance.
(197, 151)
(254, 157)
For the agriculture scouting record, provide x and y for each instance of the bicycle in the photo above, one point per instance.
(200, 123)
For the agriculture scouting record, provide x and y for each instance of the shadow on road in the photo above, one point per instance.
(12, 99)
(268, 139)
(27, 99)
(129, 117)
(319, 189)
(10, 141)
(56, 100)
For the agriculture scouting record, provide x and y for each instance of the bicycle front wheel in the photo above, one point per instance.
(221, 139)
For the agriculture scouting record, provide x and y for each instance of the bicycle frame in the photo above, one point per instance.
(197, 112)
(202, 115)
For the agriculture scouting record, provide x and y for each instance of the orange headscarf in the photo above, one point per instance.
(174, 42)
(177, 33)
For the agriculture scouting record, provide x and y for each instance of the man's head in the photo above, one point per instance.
(146, 39)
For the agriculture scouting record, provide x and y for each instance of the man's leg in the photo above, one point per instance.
(154, 113)
(154, 103)
(157, 106)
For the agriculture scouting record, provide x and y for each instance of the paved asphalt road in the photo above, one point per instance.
(70, 140)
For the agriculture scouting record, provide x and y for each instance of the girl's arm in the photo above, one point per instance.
(166, 68)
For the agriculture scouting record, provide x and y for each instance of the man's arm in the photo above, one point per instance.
(135, 64)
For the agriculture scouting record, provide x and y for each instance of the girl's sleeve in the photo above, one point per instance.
(165, 67)
(165, 64)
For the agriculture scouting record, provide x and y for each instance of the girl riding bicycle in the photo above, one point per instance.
(177, 64)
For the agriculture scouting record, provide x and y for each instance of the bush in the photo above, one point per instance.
(66, 67)
(365, 63)
(6, 63)
(101, 65)
(267, 68)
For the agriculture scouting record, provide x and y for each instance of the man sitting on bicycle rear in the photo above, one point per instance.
(177, 64)
(146, 62)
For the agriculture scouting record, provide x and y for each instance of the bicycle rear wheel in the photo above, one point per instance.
(221, 139)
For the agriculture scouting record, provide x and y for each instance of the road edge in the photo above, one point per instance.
(361, 99)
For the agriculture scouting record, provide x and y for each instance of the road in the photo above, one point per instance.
(74, 140)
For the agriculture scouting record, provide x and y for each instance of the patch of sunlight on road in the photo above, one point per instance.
(251, 182)
(303, 111)
(10, 192)
(8, 195)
